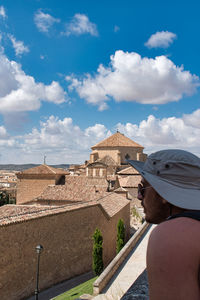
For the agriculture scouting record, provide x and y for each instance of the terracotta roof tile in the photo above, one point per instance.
(117, 140)
(44, 169)
(20, 213)
(71, 193)
(76, 189)
(129, 181)
(10, 214)
(128, 171)
(85, 181)
(113, 203)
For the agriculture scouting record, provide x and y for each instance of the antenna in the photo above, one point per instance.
(45, 159)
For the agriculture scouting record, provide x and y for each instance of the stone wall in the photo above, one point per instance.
(30, 188)
(67, 241)
(118, 154)
(132, 152)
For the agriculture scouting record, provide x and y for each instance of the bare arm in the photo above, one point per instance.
(173, 261)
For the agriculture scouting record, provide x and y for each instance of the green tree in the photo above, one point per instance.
(4, 198)
(97, 253)
(120, 235)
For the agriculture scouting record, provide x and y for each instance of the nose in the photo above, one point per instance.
(139, 196)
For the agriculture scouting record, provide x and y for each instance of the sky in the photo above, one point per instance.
(74, 72)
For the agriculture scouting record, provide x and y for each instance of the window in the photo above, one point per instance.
(127, 156)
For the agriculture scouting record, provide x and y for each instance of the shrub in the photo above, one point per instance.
(97, 253)
(120, 235)
(4, 198)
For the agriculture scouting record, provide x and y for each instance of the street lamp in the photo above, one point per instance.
(38, 249)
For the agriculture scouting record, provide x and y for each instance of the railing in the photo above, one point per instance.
(110, 270)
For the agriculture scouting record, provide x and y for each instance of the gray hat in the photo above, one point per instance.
(174, 174)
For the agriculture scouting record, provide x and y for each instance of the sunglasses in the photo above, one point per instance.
(141, 189)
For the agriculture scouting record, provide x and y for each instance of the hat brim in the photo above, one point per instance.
(172, 193)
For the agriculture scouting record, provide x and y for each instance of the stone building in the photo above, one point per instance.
(107, 160)
(128, 179)
(31, 182)
(61, 212)
(77, 189)
(119, 148)
(65, 232)
(109, 156)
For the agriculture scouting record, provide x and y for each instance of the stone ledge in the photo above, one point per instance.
(107, 274)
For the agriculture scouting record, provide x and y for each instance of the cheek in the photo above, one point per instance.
(139, 196)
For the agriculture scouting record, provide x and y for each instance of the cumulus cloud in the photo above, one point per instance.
(162, 39)
(3, 133)
(44, 21)
(65, 142)
(130, 77)
(2, 12)
(19, 92)
(18, 46)
(80, 24)
(155, 133)
(192, 119)
(116, 28)
(61, 138)
(5, 139)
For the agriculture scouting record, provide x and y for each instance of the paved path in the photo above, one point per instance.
(62, 287)
(130, 277)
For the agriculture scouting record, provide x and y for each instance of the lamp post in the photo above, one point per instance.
(38, 249)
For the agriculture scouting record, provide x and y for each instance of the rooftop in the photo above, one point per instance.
(70, 193)
(81, 181)
(9, 214)
(129, 181)
(128, 171)
(44, 169)
(117, 140)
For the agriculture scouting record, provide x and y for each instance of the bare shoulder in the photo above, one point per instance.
(179, 231)
(173, 257)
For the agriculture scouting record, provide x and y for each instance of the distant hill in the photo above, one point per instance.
(13, 167)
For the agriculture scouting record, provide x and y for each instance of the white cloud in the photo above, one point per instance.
(44, 21)
(172, 132)
(192, 119)
(116, 28)
(80, 24)
(5, 139)
(2, 12)
(65, 142)
(133, 78)
(161, 39)
(20, 93)
(18, 46)
(62, 140)
(3, 133)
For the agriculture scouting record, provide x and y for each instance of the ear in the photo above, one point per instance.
(164, 201)
(161, 199)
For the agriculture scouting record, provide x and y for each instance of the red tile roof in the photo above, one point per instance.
(85, 181)
(128, 171)
(9, 214)
(71, 193)
(44, 169)
(129, 181)
(117, 140)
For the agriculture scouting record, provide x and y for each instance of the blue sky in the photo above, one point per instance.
(73, 72)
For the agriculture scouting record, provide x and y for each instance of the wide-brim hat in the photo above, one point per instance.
(174, 174)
